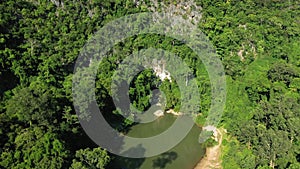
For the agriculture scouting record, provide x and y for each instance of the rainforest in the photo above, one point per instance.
(257, 42)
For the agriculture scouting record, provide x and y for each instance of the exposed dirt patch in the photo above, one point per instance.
(211, 159)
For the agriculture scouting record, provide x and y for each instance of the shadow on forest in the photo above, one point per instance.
(8, 81)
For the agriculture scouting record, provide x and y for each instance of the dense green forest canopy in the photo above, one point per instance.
(257, 41)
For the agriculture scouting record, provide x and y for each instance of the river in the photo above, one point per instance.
(185, 155)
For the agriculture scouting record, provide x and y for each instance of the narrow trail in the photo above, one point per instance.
(212, 156)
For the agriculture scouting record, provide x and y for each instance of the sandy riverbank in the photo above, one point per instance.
(212, 156)
(160, 113)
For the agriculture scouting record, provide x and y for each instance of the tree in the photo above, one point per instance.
(35, 148)
(282, 72)
(32, 106)
(96, 158)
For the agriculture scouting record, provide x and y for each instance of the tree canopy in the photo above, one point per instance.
(257, 42)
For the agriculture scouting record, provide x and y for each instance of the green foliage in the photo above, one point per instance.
(172, 93)
(257, 41)
(35, 148)
(235, 155)
(282, 72)
(140, 91)
(90, 159)
(210, 142)
(32, 106)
